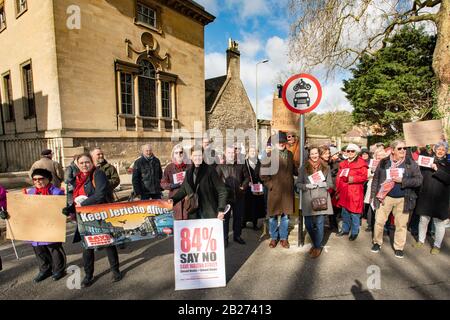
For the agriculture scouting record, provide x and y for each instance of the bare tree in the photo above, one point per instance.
(334, 34)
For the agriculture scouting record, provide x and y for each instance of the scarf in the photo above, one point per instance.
(80, 181)
(388, 185)
(45, 191)
(283, 153)
(180, 167)
(315, 165)
(252, 162)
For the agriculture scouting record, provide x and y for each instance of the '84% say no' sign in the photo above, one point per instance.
(199, 240)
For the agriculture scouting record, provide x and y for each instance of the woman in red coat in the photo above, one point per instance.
(350, 191)
(173, 177)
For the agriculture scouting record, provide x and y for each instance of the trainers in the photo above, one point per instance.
(435, 250)
(376, 248)
(418, 245)
(399, 254)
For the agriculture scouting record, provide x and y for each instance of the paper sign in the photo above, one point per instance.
(394, 173)
(345, 172)
(36, 218)
(99, 240)
(199, 254)
(425, 161)
(373, 163)
(257, 188)
(317, 177)
(178, 178)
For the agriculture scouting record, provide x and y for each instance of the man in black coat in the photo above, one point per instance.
(236, 180)
(147, 175)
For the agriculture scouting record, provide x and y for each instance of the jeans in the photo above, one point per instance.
(439, 226)
(281, 230)
(314, 225)
(350, 220)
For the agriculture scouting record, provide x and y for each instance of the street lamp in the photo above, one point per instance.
(256, 112)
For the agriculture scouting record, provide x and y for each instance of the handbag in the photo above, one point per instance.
(319, 203)
(259, 185)
(191, 201)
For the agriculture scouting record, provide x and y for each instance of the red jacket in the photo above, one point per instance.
(351, 195)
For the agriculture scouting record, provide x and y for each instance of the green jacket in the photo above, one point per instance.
(112, 175)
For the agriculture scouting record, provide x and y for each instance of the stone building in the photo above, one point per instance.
(109, 73)
(226, 101)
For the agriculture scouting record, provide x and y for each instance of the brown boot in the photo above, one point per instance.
(273, 243)
(315, 253)
(285, 244)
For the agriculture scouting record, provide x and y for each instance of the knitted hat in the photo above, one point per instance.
(42, 172)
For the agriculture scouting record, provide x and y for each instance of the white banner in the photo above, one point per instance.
(317, 177)
(425, 161)
(199, 254)
(394, 173)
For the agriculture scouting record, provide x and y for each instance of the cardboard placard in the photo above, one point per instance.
(422, 133)
(36, 218)
(425, 161)
(282, 118)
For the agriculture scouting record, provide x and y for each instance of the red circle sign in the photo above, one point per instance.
(297, 94)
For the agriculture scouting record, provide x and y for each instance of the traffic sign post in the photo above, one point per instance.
(301, 94)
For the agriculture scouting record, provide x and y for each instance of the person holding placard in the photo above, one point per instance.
(173, 177)
(350, 191)
(315, 180)
(393, 190)
(254, 197)
(50, 255)
(91, 187)
(433, 200)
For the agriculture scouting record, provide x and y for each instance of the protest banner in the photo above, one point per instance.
(425, 161)
(282, 118)
(178, 178)
(394, 173)
(317, 177)
(118, 223)
(422, 133)
(36, 218)
(199, 254)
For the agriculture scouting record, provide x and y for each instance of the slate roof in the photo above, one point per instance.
(212, 89)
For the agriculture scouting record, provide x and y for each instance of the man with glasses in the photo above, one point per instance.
(393, 190)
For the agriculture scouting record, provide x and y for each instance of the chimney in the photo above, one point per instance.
(233, 59)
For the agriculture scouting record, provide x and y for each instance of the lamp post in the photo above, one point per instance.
(256, 112)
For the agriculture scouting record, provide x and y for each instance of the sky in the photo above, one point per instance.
(261, 27)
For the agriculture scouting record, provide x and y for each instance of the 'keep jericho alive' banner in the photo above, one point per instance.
(118, 223)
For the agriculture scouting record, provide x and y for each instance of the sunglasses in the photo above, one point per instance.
(38, 179)
(404, 148)
(351, 151)
(291, 137)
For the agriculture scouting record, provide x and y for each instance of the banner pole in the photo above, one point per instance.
(301, 238)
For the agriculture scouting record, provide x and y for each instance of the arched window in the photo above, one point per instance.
(147, 89)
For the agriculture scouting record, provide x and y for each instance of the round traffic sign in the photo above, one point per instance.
(302, 93)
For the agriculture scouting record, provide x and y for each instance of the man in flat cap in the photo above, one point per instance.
(47, 163)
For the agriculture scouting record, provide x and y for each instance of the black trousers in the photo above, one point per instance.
(238, 211)
(51, 258)
(89, 259)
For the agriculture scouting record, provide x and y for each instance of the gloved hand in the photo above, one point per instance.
(4, 214)
(322, 184)
(311, 186)
(68, 210)
(174, 186)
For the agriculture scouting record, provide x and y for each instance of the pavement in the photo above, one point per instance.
(254, 271)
